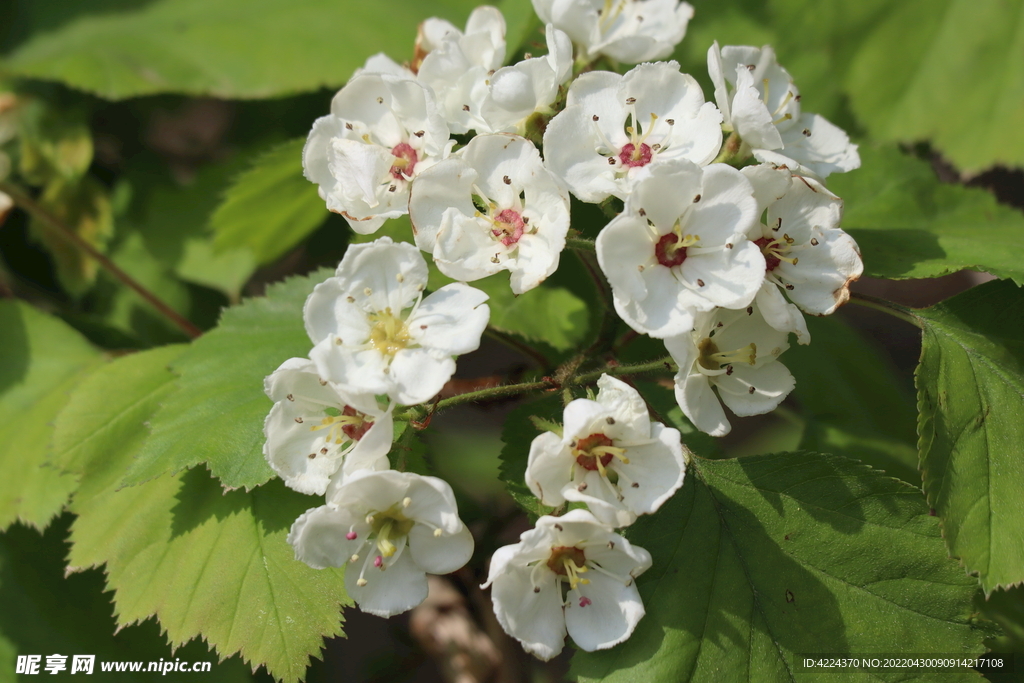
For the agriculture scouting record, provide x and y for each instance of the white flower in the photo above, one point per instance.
(391, 528)
(516, 92)
(458, 64)
(681, 247)
(568, 573)
(375, 333)
(491, 207)
(383, 130)
(735, 352)
(760, 102)
(318, 433)
(609, 456)
(805, 252)
(630, 31)
(614, 129)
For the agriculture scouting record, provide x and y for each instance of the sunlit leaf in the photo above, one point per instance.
(950, 71)
(759, 559)
(910, 225)
(229, 49)
(971, 399)
(47, 613)
(271, 207)
(216, 412)
(43, 359)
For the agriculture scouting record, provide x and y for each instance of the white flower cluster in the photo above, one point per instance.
(718, 259)
(378, 342)
(574, 573)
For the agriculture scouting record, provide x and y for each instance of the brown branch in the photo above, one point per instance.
(54, 224)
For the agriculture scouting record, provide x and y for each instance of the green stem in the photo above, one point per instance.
(729, 149)
(895, 310)
(507, 390)
(54, 224)
(580, 244)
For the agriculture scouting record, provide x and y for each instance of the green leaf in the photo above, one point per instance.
(970, 387)
(853, 401)
(271, 207)
(241, 49)
(1006, 608)
(172, 220)
(205, 563)
(43, 359)
(45, 613)
(81, 205)
(103, 425)
(959, 83)
(212, 564)
(552, 315)
(517, 435)
(762, 558)
(55, 142)
(910, 225)
(216, 412)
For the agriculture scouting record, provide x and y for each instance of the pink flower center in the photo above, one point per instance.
(584, 601)
(405, 161)
(355, 431)
(666, 251)
(633, 157)
(508, 225)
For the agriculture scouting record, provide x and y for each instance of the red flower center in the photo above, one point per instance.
(355, 431)
(771, 259)
(629, 155)
(667, 253)
(584, 446)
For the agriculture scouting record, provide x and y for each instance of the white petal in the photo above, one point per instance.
(626, 404)
(750, 115)
(319, 536)
(417, 375)
(398, 589)
(807, 205)
(730, 277)
(623, 246)
(716, 71)
(445, 186)
(451, 319)
(382, 274)
(781, 314)
(583, 417)
(813, 146)
(699, 403)
(440, 554)
(360, 370)
(549, 467)
(658, 469)
(770, 184)
(613, 612)
(533, 618)
(771, 383)
(825, 268)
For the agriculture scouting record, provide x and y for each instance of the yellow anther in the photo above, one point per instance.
(437, 533)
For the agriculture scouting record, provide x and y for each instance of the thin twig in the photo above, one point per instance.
(893, 309)
(23, 200)
(518, 345)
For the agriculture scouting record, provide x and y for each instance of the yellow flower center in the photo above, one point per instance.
(388, 333)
